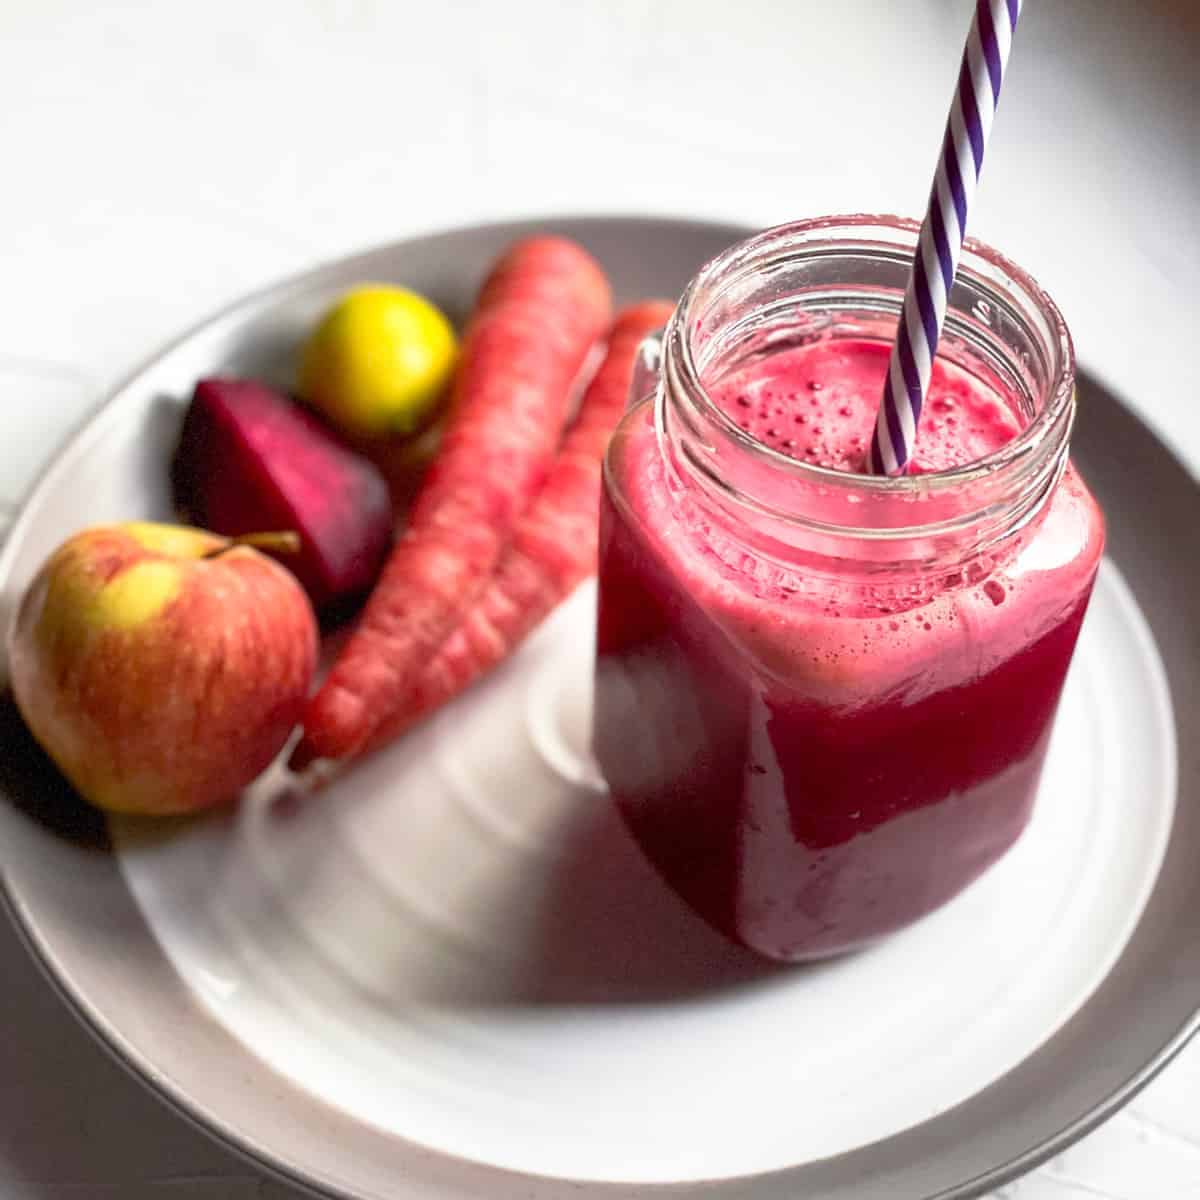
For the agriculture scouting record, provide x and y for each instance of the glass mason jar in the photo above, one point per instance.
(823, 698)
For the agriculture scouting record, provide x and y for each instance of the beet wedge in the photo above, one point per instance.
(249, 459)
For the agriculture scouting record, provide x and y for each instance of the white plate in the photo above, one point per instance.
(452, 975)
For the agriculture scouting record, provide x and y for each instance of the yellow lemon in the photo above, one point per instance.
(379, 361)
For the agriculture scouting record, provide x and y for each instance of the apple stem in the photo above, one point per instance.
(283, 541)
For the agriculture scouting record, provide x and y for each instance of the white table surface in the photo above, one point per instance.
(160, 160)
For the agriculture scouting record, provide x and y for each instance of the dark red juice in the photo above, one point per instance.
(813, 764)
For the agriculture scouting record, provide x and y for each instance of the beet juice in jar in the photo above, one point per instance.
(823, 698)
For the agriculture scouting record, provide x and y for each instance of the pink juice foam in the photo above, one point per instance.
(810, 764)
(818, 405)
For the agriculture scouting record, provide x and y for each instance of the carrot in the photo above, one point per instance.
(554, 546)
(538, 314)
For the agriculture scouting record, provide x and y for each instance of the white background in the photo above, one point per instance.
(158, 160)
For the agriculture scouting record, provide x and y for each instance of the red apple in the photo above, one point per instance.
(161, 667)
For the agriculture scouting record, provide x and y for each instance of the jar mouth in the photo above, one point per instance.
(979, 262)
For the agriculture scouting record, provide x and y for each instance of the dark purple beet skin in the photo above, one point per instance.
(251, 461)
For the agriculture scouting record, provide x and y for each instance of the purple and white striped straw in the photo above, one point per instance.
(942, 232)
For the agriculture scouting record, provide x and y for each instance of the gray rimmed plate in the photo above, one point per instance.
(452, 975)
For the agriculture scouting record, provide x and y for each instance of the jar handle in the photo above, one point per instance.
(646, 366)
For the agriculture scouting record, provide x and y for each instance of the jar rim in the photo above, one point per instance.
(817, 231)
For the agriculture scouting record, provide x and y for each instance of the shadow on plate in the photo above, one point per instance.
(613, 932)
(32, 784)
(304, 885)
